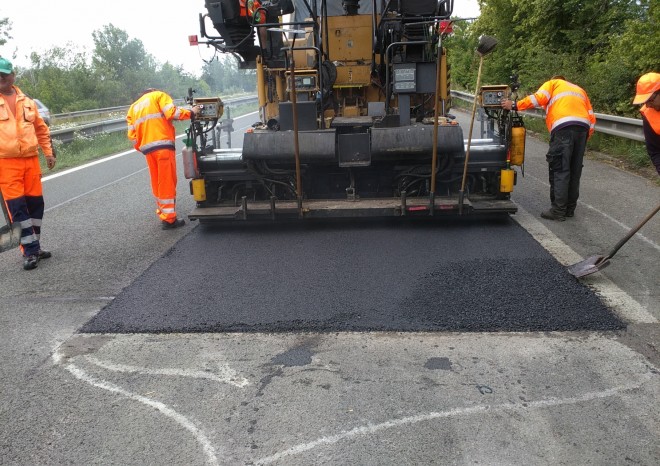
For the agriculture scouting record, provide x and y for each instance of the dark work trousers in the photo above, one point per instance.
(565, 156)
(28, 211)
(20, 182)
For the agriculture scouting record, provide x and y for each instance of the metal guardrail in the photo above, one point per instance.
(66, 135)
(107, 126)
(628, 128)
(97, 111)
(623, 127)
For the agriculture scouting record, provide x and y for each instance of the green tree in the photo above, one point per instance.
(591, 42)
(225, 77)
(174, 80)
(633, 50)
(122, 64)
(5, 29)
(61, 78)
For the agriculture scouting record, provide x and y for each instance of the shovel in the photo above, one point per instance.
(10, 234)
(595, 263)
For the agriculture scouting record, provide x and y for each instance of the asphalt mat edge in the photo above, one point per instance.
(356, 276)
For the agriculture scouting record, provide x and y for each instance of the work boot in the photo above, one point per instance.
(44, 254)
(30, 262)
(179, 222)
(551, 215)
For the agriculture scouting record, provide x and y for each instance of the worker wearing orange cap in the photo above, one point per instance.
(648, 95)
(151, 130)
(22, 133)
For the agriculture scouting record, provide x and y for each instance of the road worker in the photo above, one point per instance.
(571, 122)
(151, 130)
(251, 9)
(22, 133)
(648, 95)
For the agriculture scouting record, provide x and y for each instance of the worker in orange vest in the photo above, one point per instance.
(648, 95)
(571, 122)
(250, 9)
(151, 130)
(22, 133)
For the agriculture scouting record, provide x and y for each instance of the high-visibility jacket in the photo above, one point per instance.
(150, 121)
(565, 104)
(653, 117)
(248, 8)
(22, 135)
(651, 126)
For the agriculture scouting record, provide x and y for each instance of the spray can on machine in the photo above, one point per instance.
(190, 170)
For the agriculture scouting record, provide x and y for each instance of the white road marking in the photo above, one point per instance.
(227, 374)
(95, 189)
(619, 301)
(610, 218)
(202, 439)
(373, 428)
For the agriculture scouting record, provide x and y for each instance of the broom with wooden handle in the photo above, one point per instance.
(486, 45)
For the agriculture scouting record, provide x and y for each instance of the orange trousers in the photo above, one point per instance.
(162, 169)
(20, 184)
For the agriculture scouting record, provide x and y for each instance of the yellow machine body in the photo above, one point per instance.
(198, 189)
(507, 177)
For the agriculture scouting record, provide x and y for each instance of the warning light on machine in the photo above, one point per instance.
(446, 27)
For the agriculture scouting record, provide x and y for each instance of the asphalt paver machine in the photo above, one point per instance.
(354, 100)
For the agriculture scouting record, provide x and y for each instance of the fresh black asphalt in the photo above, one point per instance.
(348, 275)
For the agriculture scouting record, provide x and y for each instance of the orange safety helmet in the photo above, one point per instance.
(646, 86)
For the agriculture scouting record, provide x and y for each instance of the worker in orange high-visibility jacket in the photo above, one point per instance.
(571, 122)
(22, 133)
(151, 130)
(251, 10)
(648, 96)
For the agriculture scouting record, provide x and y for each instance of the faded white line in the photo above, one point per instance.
(370, 429)
(95, 189)
(202, 439)
(91, 164)
(610, 218)
(226, 373)
(619, 301)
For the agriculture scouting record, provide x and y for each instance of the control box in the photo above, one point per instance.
(212, 108)
(492, 96)
(305, 82)
(405, 78)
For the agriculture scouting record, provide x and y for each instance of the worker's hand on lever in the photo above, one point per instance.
(506, 104)
(196, 109)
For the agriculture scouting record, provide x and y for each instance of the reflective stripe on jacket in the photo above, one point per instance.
(564, 103)
(23, 134)
(150, 121)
